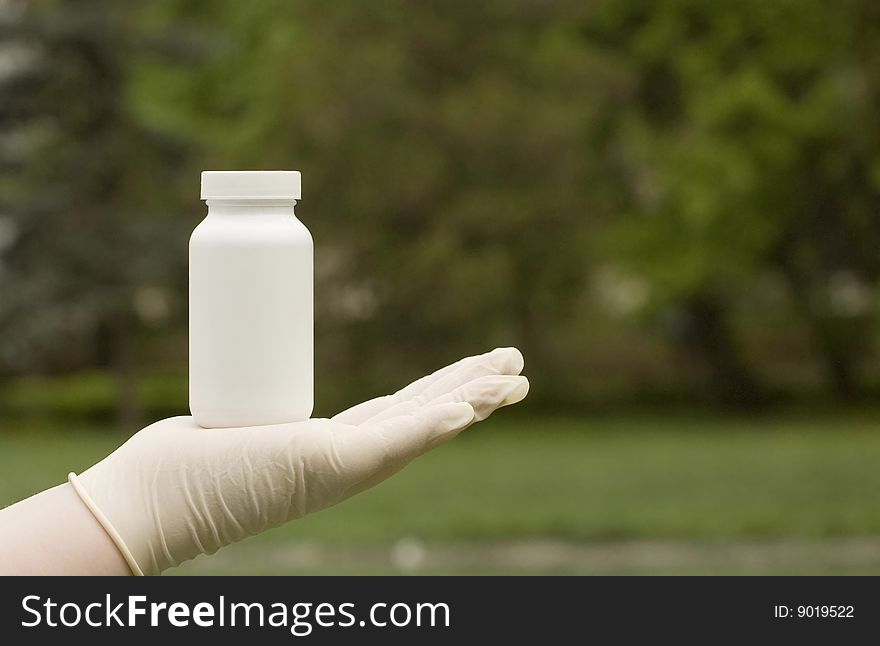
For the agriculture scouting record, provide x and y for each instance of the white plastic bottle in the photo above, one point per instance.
(250, 303)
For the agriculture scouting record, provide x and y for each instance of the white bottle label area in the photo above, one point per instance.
(251, 356)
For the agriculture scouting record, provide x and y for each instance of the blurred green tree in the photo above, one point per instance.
(750, 146)
(85, 190)
(450, 186)
(475, 174)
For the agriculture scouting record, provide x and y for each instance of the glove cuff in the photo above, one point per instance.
(105, 523)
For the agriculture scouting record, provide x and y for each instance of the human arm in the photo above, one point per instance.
(175, 490)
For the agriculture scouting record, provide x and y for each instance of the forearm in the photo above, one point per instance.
(53, 532)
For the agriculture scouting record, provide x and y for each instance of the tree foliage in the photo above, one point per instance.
(643, 196)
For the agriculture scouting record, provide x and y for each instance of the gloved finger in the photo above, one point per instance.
(413, 434)
(484, 394)
(506, 362)
(498, 361)
(372, 454)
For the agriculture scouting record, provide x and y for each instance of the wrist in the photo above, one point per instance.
(53, 533)
(110, 531)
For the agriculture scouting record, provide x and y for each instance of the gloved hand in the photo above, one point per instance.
(176, 490)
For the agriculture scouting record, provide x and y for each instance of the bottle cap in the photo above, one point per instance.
(251, 185)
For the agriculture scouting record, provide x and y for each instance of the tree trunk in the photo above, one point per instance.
(707, 332)
(837, 349)
(117, 347)
(840, 368)
(531, 334)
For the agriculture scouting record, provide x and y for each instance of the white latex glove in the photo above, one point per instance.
(176, 490)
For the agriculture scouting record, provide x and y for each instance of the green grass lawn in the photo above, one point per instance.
(577, 486)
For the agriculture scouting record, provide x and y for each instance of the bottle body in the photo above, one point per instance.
(250, 316)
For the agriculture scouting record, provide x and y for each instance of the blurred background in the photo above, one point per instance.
(670, 207)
